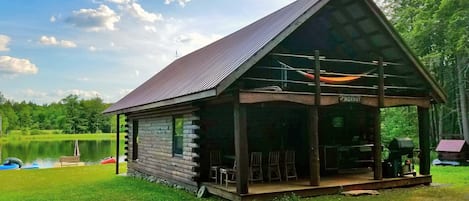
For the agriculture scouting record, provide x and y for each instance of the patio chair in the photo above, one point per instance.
(255, 168)
(290, 168)
(215, 165)
(228, 175)
(273, 168)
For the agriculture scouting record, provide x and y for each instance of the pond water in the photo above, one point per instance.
(47, 153)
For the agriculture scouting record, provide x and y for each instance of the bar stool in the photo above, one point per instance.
(273, 168)
(255, 168)
(215, 165)
(290, 167)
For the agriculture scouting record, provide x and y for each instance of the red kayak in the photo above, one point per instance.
(108, 160)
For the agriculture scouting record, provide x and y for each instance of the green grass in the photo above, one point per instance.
(82, 183)
(449, 183)
(100, 183)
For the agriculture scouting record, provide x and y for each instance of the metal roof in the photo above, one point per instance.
(207, 72)
(205, 68)
(451, 145)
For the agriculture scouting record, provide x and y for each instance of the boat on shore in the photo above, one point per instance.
(108, 160)
(11, 163)
(9, 167)
(30, 167)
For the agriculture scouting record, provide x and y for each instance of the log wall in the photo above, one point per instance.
(155, 149)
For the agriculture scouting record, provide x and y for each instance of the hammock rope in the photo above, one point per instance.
(329, 80)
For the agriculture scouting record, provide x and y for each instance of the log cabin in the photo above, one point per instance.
(310, 78)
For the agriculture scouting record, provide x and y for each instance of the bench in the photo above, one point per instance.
(69, 160)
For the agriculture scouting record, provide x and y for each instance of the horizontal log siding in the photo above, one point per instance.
(155, 149)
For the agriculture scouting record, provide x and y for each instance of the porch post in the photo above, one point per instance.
(241, 146)
(314, 177)
(378, 166)
(313, 130)
(424, 140)
(117, 143)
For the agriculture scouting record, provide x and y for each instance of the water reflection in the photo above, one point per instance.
(47, 153)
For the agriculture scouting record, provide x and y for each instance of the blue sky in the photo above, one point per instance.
(52, 48)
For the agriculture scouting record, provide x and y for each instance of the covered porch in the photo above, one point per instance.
(334, 142)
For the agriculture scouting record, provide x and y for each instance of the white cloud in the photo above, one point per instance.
(195, 39)
(11, 65)
(124, 92)
(42, 97)
(92, 48)
(100, 19)
(182, 3)
(86, 94)
(119, 1)
(150, 28)
(137, 73)
(4, 40)
(52, 19)
(84, 79)
(51, 40)
(34, 93)
(137, 11)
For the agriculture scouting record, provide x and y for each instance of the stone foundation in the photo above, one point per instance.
(154, 179)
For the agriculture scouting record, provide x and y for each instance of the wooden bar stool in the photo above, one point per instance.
(215, 165)
(273, 168)
(255, 168)
(290, 167)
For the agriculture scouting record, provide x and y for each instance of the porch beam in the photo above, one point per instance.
(258, 96)
(241, 145)
(424, 139)
(117, 142)
(378, 166)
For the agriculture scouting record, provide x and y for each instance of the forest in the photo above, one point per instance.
(69, 115)
(438, 33)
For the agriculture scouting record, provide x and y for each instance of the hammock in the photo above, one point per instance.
(329, 80)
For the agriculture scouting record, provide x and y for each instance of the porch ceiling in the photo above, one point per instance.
(345, 30)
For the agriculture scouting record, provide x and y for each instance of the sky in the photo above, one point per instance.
(50, 49)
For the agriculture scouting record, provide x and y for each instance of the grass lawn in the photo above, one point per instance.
(82, 183)
(100, 183)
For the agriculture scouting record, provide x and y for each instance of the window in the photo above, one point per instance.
(178, 135)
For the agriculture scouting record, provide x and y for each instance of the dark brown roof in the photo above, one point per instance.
(208, 71)
(451, 145)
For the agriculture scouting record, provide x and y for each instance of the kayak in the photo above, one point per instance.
(108, 160)
(13, 160)
(9, 166)
(33, 166)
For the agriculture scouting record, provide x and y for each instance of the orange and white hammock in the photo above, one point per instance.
(329, 80)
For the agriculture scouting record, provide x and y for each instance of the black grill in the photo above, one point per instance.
(401, 146)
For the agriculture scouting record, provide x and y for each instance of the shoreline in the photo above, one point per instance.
(58, 137)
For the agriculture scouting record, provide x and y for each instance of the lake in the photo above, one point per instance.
(47, 153)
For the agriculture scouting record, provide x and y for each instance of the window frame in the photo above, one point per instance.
(178, 151)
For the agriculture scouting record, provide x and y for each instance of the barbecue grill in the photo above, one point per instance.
(395, 165)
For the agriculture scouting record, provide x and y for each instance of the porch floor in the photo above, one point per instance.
(329, 185)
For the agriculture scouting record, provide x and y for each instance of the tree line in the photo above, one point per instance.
(69, 115)
(438, 32)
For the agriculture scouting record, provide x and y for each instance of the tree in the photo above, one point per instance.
(73, 119)
(438, 31)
